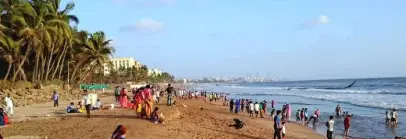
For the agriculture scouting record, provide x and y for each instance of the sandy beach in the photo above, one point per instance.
(197, 120)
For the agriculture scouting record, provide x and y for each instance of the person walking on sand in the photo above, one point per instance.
(237, 106)
(330, 127)
(169, 92)
(251, 109)
(347, 125)
(231, 105)
(116, 93)
(87, 102)
(148, 99)
(256, 108)
(9, 105)
(55, 98)
(277, 125)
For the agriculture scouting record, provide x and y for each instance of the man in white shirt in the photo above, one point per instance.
(330, 127)
(87, 102)
(9, 105)
(256, 108)
(251, 109)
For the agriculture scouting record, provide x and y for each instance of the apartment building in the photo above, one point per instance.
(123, 62)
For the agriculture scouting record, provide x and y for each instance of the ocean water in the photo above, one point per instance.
(367, 100)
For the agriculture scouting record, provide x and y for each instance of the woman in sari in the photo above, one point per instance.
(148, 100)
(123, 98)
(138, 102)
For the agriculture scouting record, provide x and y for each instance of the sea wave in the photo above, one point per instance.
(378, 91)
(372, 101)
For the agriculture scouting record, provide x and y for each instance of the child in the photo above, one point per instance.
(155, 115)
(3, 118)
(283, 130)
(298, 115)
(119, 133)
(71, 108)
(98, 105)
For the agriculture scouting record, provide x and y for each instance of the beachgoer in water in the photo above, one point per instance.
(302, 115)
(231, 105)
(288, 112)
(277, 125)
(388, 117)
(251, 109)
(119, 133)
(71, 108)
(273, 104)
(298, 115)
(317, 112)
(330, 127)
(394, 117)
(306, 115)
(283, 130)
(314, 118)
(237, 105)
(338, 110)
(9, 105)
(347, 125)
(256, 109)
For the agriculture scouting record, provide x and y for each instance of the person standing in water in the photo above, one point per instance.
(388, 117)
(347, 125)
(273, 104)
(330, 127)
(394, 117)
(338, 110)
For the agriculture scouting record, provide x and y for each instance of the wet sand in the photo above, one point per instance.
(198, 120)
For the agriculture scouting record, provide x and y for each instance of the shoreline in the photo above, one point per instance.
(189, 119)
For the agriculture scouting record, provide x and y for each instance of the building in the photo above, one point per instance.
(154, 72)
(124, 62)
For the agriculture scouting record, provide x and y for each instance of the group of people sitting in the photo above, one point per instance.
(80, 108)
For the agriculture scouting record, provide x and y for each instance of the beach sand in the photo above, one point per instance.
(198, 120)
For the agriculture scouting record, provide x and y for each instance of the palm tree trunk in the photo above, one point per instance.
(21, 64)
(59, 61)
(49, 63)
(8, 71)
(62, 65)
(52, 67)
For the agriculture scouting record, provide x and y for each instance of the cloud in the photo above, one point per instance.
(321, 20)
(145, 25)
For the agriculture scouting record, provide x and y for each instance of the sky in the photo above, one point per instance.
(289, 39)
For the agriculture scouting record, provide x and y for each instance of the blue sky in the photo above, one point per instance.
(289, 39)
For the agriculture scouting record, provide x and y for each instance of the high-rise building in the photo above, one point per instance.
(124, 62)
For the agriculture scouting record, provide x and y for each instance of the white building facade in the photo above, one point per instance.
(117, 63)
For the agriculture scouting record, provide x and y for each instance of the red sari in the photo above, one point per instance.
(123, 99)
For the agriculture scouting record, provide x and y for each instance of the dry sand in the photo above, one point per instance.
(211, 122)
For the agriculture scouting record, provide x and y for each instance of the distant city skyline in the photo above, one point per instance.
(289, 39)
